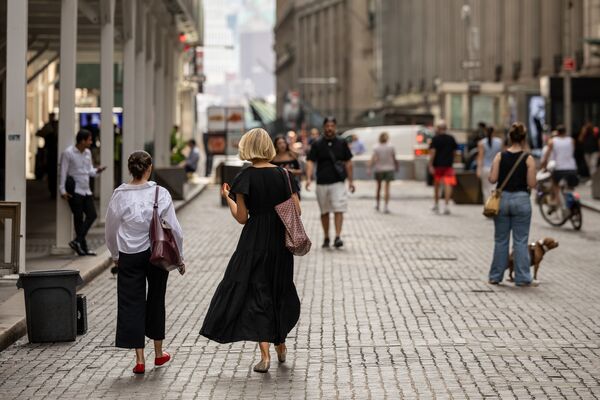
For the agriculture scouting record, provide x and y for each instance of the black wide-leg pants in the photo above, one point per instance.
(140, 315)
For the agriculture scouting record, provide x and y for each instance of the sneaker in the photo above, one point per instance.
(325, 243)
(337, 243)
(76, 246)
(386, 210)
(528, 284)
(435, 209)
(446, 211)
(377, 208)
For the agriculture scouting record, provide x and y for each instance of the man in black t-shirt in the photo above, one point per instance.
(441, 157)
(334, 166)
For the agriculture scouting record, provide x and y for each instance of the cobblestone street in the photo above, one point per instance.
(403, 311)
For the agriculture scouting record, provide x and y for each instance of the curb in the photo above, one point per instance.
(15, 305)
(590, 207)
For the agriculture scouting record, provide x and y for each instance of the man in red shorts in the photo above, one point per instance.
(441, 157)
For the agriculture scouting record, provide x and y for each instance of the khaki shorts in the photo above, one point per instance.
(332, 198)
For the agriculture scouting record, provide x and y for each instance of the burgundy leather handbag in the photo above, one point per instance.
(165, 253)
(296, 239)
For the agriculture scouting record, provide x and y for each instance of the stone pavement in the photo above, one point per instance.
(403, 311)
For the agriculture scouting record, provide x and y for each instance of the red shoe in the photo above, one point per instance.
(158, 361)
(139, 369)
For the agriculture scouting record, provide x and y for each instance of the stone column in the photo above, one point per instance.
(151, 38)
(140, 77)
(107, 84)
(161, 138)
(129, 8)
(66, 124)
(16, 109)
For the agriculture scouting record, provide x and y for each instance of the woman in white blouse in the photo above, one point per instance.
(128, 239)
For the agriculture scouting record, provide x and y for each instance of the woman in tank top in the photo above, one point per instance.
(515, 208)
(562, 150)
(488, 147)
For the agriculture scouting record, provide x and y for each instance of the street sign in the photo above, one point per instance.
(471, 64)
(569, 64)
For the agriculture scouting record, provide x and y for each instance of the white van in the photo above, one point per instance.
(411, 143)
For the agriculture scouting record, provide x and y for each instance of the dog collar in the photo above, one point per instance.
(544, 247)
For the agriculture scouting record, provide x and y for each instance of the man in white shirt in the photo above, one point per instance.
(75, 171)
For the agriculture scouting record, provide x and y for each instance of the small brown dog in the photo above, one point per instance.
(537, 250)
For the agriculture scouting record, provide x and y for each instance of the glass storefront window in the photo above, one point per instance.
(483, 109)
(456, 111)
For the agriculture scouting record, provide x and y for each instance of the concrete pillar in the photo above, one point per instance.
(170, 85)
(149, 91)
(16, 109)
(140, 77)
(161, 138)
(66, 123)
(107, 47)
(173, 89)
(129, 8)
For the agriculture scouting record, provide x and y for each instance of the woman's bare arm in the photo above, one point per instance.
(531, 172)
(238, 208)
(495, 171)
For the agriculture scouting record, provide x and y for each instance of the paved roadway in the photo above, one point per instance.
(403, 311)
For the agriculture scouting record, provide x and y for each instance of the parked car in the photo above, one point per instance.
(411, 143)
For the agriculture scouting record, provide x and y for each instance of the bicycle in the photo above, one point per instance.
(567, 207)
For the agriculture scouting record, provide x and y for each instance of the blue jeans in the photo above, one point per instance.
(515, 216)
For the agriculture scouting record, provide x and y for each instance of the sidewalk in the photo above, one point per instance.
(39, 243)
(587, 200)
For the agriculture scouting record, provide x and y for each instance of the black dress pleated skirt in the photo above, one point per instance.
(257, 299)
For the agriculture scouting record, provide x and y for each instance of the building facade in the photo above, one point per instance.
(477, 60)
(324, 58)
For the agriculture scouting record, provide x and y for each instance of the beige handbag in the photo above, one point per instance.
(491, 207)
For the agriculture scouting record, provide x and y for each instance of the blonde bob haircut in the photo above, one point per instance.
(256, 145)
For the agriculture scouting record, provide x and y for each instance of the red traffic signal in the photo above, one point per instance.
(569, 64)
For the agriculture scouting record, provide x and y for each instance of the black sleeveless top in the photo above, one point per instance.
(518, 181)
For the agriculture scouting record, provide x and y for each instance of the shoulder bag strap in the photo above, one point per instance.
(333, 159)
(512, 170)
(156, 197)
(287, 174)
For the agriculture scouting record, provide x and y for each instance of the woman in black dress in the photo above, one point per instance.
(257, 299)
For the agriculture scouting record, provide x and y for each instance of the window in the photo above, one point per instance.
(484, 109)
(456, 111)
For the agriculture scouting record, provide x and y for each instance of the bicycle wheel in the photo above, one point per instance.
(576, 218)
(552, 214)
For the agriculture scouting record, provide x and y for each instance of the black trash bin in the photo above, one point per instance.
(50, 304)
(229, 170)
